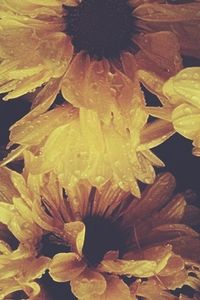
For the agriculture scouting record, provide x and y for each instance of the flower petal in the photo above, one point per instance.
(115, 289)
(182, 19)
(184, 87)
(159, 53)
(75, 232)
(140, 268)
(7, 190)
(66, 267)
(88, 283)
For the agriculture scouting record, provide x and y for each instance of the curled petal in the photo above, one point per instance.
(75, 233)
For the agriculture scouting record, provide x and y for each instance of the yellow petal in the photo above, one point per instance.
(42, 126)
(66, 267)
(184, 87)
(186, 120)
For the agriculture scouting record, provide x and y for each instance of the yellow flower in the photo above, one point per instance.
(182, 104)
(96, 239)
(90, 50)
(77, 145)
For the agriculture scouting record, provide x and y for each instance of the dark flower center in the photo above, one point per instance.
(101, 237)
(102, 28)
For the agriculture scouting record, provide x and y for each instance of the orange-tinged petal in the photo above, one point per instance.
(182, 19)
(175, 280)
(156, 133)
(183, 245)
(88, 81)
(66, 267)
(34, 268)
(160, 53)
(152, 82)
(156, 12)
(154, 197)
(174, 264)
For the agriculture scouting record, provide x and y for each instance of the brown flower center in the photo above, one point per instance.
(101, 236)
(102, 28)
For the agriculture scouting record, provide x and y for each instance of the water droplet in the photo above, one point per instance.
(183, 75)
(99, 180)
(117, 163)
(194, 99)
(187, 110)
(196, 76)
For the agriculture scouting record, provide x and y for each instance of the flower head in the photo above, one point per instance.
(77, 145)
(98, 240)
(91, 49)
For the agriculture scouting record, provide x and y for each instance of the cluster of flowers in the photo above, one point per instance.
(75, 223)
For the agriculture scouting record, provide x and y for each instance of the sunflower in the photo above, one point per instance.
(105, 242)
(76, 144)
(181, 105)
(91, 49)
